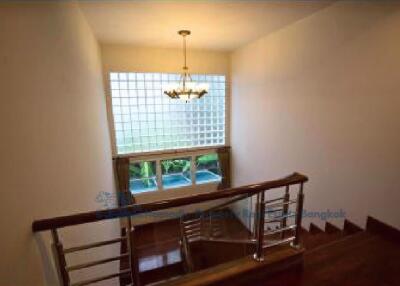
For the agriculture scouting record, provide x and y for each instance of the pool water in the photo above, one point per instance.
(205, 176)
(175, 181)
(139, 186)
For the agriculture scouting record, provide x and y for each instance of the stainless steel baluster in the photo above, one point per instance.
(259, 255)
(285, 211)
(299, 214)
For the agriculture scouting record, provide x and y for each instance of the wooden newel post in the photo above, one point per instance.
(299, 215)
(259, 255)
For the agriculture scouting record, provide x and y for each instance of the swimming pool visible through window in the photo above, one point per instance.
(142, 177)
(145, 119)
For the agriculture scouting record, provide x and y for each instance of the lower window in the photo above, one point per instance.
(142, 177)
(207, 169)
(174, 173)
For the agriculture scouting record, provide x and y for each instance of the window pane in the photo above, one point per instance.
(208, 169)
(176, 173)
(142, 176)
(138, 103)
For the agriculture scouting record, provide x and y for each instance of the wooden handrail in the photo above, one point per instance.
(135, 209)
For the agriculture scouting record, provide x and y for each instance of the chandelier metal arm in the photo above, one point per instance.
(186, 91)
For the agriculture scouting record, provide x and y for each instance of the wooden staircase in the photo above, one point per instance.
(349, 256)
(316, 237)
(332, 256)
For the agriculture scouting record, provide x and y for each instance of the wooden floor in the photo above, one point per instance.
(159, 252)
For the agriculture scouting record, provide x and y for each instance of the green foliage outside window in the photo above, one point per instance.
(145, 171)
(208, 162)
(175, 166)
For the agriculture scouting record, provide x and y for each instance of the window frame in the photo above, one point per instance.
(192, 154)
(111, 123)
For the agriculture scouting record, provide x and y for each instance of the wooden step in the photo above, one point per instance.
(378, 227)
(330, 228)
(317, 237)
(350, 228)
(314, 229)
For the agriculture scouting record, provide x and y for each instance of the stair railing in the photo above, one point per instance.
(64, 270)
(281, 207)
(130, 211)
(203, 227)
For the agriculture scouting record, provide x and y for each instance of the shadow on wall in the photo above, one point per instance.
(49, 271)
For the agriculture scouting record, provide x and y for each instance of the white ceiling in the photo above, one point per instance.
(215, 25)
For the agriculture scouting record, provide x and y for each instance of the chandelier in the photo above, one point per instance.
(186, 89)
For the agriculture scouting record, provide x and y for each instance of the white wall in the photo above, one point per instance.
(55, 150)
(322, 96)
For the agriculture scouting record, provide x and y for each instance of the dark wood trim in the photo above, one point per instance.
(376, 226)
(135, 209)
(224, 156)
(350, 228)
(139, 156)
(121, 166)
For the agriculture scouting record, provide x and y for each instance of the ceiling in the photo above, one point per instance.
(215, 25)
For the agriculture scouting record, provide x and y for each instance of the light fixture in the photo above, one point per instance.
(186, 89)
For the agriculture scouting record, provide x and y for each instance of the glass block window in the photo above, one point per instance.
(176, 173)
(142, 177)
(145, 119)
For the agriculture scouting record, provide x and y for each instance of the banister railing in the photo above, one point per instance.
(136, 209)
(260, 239)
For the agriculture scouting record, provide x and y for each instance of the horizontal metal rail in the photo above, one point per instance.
(94, 263)
(194, 234)
(283, 241)
(279, 219)
(230, 240)
(93, 245)
(270, 232)
(191, 226)
(281, 204)
(191, 221)
(191, 231)
(274, 211)
(274, 200)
